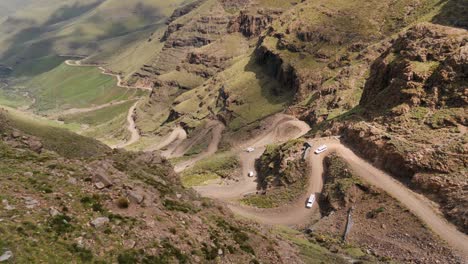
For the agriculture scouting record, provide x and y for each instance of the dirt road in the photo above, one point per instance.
(280, 129)
(216, 134)
(297, 214)
(134, 133)
(85, 110)
(171, 142)
(106, 72)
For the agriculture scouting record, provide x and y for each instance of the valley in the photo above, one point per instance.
(186, 131)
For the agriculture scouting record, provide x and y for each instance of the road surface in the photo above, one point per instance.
(296, 213)
(132, 128)
(106, 72)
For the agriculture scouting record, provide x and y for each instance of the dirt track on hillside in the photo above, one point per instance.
(216, 129)
(280, 128)
(296, 214)
(170, 142)
(106, 72)
(132, 128)
(73, 111)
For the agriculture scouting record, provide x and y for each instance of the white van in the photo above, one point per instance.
(250, 149)
(321, 149)
(310, 201)
(251, 174)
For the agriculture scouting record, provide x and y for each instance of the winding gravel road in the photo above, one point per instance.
(296, 214)
(132, 128)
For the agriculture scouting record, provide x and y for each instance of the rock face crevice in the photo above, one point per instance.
(285, 73)
(252, 24)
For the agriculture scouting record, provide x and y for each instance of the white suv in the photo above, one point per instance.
(321, 149)
(250, 149)
(310, 201)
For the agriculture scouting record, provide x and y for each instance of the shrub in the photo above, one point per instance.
(123, 203)
(60, 224)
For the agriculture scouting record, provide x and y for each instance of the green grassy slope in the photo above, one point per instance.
(78, 27)
(68, 87)
(53, 135)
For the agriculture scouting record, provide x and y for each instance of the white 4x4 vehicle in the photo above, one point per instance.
(310, 201)
(321, 149)
(250, 149)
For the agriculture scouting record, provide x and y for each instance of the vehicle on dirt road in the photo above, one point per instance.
(321, 149)
(251, 174)
(310, 201)
(250, 149)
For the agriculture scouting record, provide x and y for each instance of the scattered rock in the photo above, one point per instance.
(136, 197)
(129, 244)
(28, 174)
(72, 180)
(99, 185)
(7, 206)
(16, 134)
(99, 222)
(35, 145)
(30, 202)
(6, 256)
(53, 212)
(179, 196)
(79, 241)
(220, 252)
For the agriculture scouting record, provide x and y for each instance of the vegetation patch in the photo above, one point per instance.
(309, 251)
(277, 196)
(339, 181)
(220, 165)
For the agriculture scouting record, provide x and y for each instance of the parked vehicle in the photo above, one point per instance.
(321, 149)
(310, 201)
(251, 174)
(250, 149)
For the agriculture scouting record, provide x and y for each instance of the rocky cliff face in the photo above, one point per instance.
(253, 24)
(184, 34)
(413, 107)
(325, 60)
(426, 66)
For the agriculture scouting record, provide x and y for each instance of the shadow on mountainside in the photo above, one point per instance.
(453, 13)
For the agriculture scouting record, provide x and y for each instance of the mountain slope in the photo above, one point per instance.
(117, 206)
(80, 27)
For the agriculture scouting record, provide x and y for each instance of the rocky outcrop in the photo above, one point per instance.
(281, 166)
(412, 121)
(253, 24)
(181, 37)
(426, 66)
(341, 188)
(183, 10)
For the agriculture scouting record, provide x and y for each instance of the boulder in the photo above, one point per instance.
(30, 202)
(99, 222)
(136, 197)
(6, 256)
